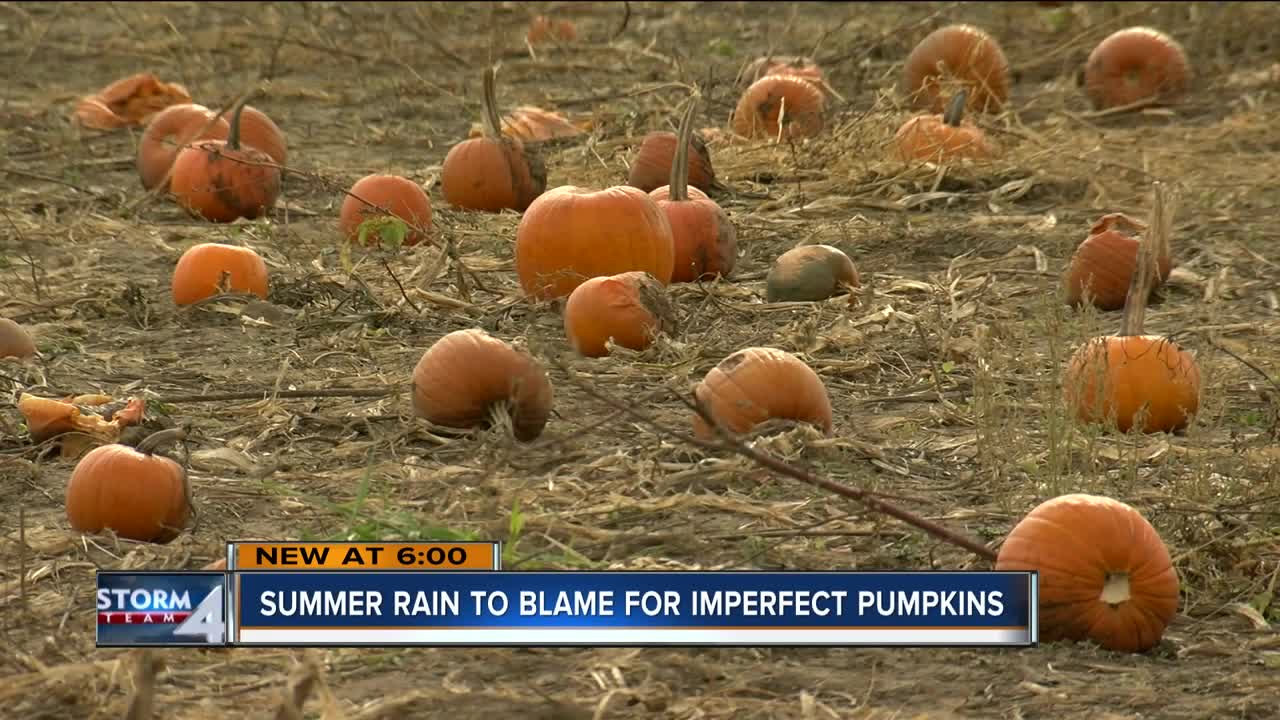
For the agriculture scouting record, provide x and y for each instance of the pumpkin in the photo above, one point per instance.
(260, 131)
(134, 492)
(531, 124)
(1135, 64)
(651, 167)
(705, 243)
(1105, 575)
(1102, 265)
(780, 106)
(129, 101)
(493, 172)
(168, 132)
(757, 384)
(223, 180)
(543, 29)
(15, 341)
(376, 195)
(963, 54)
(809, 273)
(462, 378)
(1135, 380)
(210, 269)
(630, 308)
(801, 67)
(942, 138)
(570, 234)
(101, 417)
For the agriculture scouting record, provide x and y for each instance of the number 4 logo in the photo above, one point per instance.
(206, 620)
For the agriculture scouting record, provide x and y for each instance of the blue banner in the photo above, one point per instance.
(161, 608)
(634, 608)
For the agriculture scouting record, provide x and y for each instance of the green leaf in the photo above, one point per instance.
(516, 525)
(390, 230)
(948, 367)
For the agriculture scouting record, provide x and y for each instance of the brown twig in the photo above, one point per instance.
(264, 394)
(142, 704)
(1160, 225)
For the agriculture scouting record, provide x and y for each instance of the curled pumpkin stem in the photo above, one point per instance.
(233, 136)
(492, 123)
(954, 112)
(152, 442)
(679, 182)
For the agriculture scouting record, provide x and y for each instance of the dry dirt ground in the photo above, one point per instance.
(943, 369)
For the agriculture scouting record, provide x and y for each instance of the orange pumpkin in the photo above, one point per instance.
(494, 172)
(942, 138)
(223, 180)
(757, 384)
(964, 54)
(1105, 574)
(705, 242)
(543, 29)
(461, 378)
(169, 131)
(137, 494)
(376, 195)
(1131, 379)
(210, 269)
(780, 106)
(810, 273)
(801, 67)
(570, 234)
(101, 417)
(15, 341)
(630, 308)
(1135, 64)
(1104, 263)
(260, 131)
(651, 167)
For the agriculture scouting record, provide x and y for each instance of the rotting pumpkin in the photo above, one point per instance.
(1133, 65)
(1103, 264)
(570, 234)
(15, 341)
(810, 273)
(630, 309)
(1132, 379)
(209, 269)
(1105, 574)
(134, 492)
(942, 138)
(705, 243)
(783, 107)
(756, 384)
(466, 377)
(651, 167)
(494, 172)
(224, 180)
(961, 53)
(376, 195)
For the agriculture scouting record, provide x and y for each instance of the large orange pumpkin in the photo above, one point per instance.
(1135, 64)
(757, 384)
(461, 378)
(208, 269)
(1105, 575)
(964, 54)
(780, 106)
(705, 242)
(1102, 265)
(570, 234)
(224, 180)
(402, 197)
(630, 309)
(137, 494)
(494, 172)
(168, 132)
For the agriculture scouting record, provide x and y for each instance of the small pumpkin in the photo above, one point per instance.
(15, 341)
(1102, 265)
(1133, 379)
(376, 195)
(168, 132)
(961, 53)
(210, 269)
(705, 242)
(942, 138)
(465, 375)
(757, 384)
(801, 67)
(630, 308)
(1105, 574)
(258, 130)
(134, 492)
(570, 234)
(810, 273)
(223, 180)
(495, 172)
(780, 106)
(651, 167)
(543, 29)
(1135, 64)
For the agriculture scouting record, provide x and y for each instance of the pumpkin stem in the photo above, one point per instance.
(1146, 269)
(233, 136)
(489, 103)
(1115, 590)
(954, 112)
(678, 185)
(152, 442)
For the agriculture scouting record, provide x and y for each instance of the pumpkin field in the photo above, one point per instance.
(921, 270)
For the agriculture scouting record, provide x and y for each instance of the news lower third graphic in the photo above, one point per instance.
(161, 608)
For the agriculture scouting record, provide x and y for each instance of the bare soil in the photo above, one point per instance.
(943, 368)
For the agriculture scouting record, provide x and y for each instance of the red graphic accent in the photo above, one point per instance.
(153, 617)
